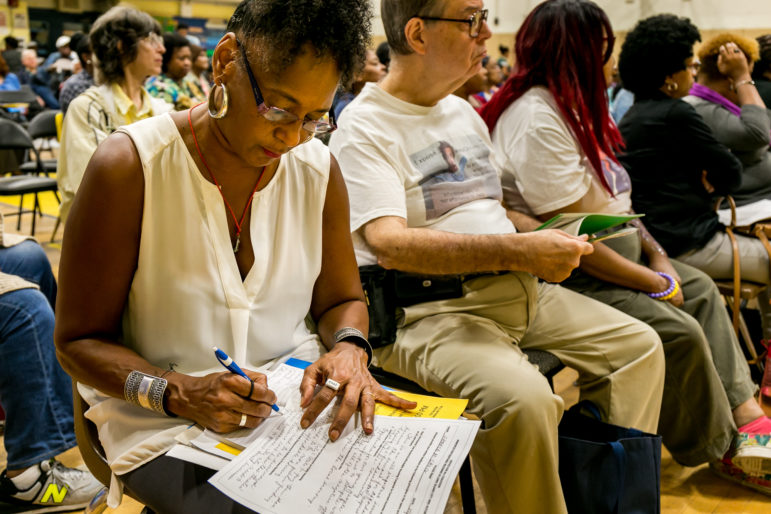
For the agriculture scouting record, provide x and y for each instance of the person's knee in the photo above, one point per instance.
(524, 403)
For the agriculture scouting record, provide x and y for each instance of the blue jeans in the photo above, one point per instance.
(35, 391)
(28, 261)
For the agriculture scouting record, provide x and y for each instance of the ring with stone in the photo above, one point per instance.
(242, 423)
(737, 51)
(333, 385)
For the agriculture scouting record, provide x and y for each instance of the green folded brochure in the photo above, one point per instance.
(578, 223)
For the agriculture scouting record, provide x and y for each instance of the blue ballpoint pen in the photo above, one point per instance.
(226, 361)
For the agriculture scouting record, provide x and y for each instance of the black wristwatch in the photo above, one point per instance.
(354, 336)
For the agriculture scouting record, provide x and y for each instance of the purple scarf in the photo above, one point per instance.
(713, 96)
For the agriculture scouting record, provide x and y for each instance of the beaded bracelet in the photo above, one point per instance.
(665, 295)
(672, 294)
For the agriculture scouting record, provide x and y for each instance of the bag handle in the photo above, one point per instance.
(619, 453)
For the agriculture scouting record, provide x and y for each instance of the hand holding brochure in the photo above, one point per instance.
(579, 223)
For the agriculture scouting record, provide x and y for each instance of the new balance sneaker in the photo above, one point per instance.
(726, 469)
(57, 489)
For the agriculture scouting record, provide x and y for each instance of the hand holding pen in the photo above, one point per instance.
(231, 366)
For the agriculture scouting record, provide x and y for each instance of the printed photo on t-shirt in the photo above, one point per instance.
(615, 175)
(455, 171)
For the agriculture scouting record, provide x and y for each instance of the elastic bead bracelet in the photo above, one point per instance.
(664, 295)
(672, 294)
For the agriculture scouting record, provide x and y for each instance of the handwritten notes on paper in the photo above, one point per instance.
(406, 465)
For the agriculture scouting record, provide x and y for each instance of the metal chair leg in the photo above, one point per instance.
(467, 487)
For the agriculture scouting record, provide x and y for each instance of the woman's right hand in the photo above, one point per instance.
(732, 62)
(217, 401)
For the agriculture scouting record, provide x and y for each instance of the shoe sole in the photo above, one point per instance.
(738, 480)
(40, 509)
(753, 460)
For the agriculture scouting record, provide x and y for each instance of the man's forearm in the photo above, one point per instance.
(420, 250)
(522, 221)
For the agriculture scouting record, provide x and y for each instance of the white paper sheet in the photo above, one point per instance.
(746, 214)
(196, 456)
(406, 465)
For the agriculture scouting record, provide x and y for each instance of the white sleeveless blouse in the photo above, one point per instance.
(187, 294)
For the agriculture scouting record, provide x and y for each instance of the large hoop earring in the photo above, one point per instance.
(671, 87)
(223, 110)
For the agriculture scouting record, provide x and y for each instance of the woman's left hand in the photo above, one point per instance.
(664, 265)
(346, 364)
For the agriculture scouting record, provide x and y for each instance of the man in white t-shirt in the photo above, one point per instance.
(425, 197)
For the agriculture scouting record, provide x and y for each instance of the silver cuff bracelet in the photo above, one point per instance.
(145, 391)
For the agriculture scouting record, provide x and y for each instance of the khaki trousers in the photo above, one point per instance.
(716, 260)
(469, 347)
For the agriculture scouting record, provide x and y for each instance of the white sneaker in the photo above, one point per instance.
(57, 489)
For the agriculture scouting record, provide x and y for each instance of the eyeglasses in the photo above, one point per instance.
(693, 67)
(154, 40)
(475, 21)
(280, 116)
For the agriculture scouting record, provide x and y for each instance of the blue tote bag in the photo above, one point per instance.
(608, 469)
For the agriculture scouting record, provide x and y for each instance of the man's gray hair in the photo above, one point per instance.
(395, 15)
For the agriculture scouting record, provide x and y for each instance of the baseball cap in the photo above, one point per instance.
(62, 41)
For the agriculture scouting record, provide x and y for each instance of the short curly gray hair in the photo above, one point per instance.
(124, 25)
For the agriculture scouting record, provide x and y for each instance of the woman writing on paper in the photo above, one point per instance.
(221, 225)
(550, 122)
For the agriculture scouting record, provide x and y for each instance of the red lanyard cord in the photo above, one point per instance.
(239, 224)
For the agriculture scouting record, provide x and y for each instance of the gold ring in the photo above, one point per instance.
(369, 393)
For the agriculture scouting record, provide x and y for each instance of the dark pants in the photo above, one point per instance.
(169, 485)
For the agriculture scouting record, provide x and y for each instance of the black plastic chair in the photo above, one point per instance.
(42, 126)
(25, 95)
(13, 137)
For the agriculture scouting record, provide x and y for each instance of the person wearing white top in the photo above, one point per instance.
(197, 229)
(426, 198)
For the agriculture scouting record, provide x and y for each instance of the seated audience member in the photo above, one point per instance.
(726, 98)
(199, 69)
(82, 80)
(128, 48)
(8, 81)
(172, 85)
(372, 71)
(503, 61)
(130, 305)
(473, 86)
(559, 159)
(12, 54)
(384, 54)
(183, 29)
(59, 65)
(400, 146)
(762, 70)
(677, 166)
(494, 81)
(36, 79)
(39, 414)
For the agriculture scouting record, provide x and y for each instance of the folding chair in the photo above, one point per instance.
(738, 292)
(42, 126)
(13, 137)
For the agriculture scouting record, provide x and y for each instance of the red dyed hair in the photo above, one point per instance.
(559, 46)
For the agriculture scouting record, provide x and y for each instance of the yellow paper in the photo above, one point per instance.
(227, 448)
(428, 407)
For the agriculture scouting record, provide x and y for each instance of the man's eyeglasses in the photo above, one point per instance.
(475, 21)
(280, 116)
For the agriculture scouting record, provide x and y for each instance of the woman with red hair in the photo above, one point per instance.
(550, 125)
